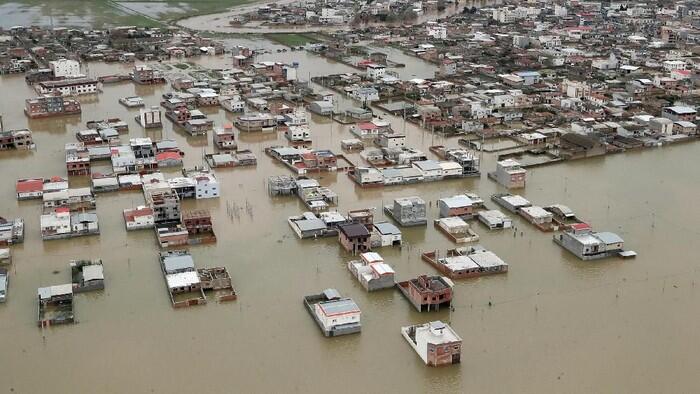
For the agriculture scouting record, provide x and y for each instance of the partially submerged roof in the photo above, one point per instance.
(46, 293)
(172, 263)
(338, 307)
(93, 272)
(182, 279)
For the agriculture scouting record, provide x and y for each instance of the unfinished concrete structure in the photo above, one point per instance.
(427, 293)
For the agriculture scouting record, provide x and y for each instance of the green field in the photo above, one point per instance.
(292, 39)
(103, 13)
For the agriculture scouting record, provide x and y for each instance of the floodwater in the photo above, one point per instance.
(219, 22)
(551, 324)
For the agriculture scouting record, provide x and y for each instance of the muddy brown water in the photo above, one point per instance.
(555, 324)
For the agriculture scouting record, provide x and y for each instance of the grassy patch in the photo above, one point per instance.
(292, 39)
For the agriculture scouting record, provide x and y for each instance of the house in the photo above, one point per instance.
(468, 160)
(458, 205)
(5, 256)
(87, 275)
(387, 234)
(408, 211)
(366, 176)
(323, 107)
(466, 262)
(513, 203)
(182, 280)
(308, 225)
(354, 237)
(84, 223)
(55, 305)
(30, 188)
(65, 68)
(4, 284)
(387, 140)
(11, 231)
(684, 127)
(56, 224)
(165, 204)
(207, 186)
(538, 216)
(199, 226)
(427, 293)
(372, 272)
(149, 118)
(139, 218)
(224, 137)
(375, 71)
(679, 113)
(16, 139)
(51, 105)
(495, 219)
(509, 174)
(430, 169)
(662, 126)
(436, 343)
(364, 94)
(529, 77)
(575, 146)
(586, 244)
(300, 133)
(366, 130)
(436, 30)
(456, 229)
(335, 315)
(68, 87)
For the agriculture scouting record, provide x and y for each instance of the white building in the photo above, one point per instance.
(375, 71)
(64, 68)
(436, 343)
(661, 125)
(299, 133)
(56, 223)
(670, 65)
(331, 16)
(138, 218)
(436, 30)
(575, 89)
(389, 235)
(372, 272)
(206, 185)
(365, 94)
(68, 87)
(290, 73)
(495, 219)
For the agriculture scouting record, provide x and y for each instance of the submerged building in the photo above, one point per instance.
(335, 315)
(372, 272)
(436, 343)
(587, 244)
